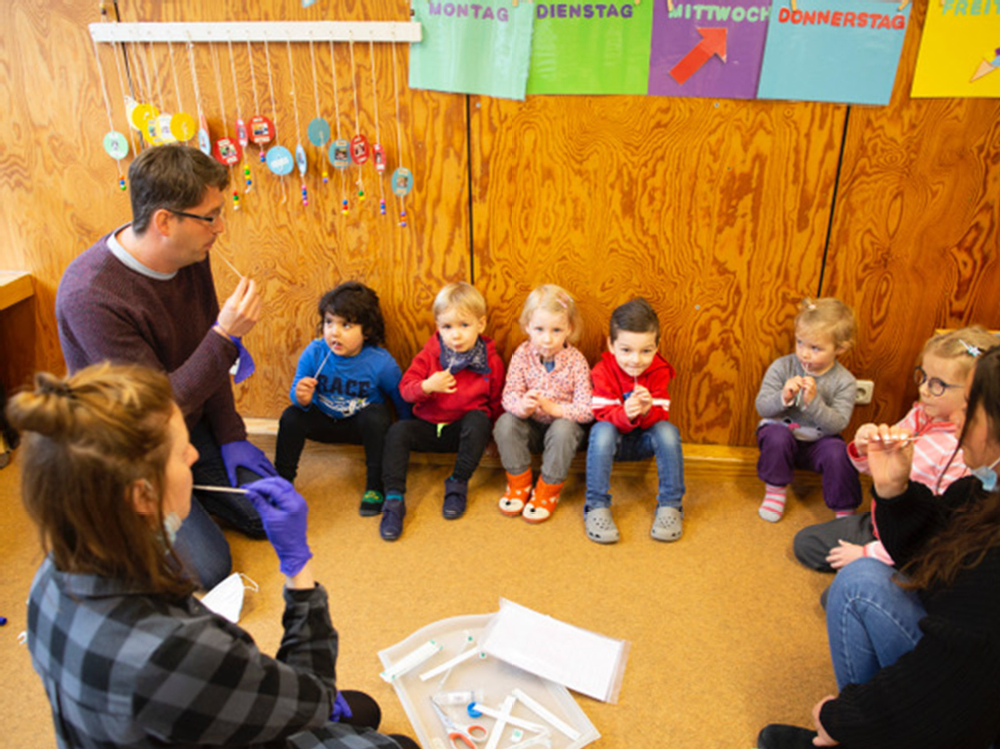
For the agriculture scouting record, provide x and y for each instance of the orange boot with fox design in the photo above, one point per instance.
(517, 493)
(543, 502)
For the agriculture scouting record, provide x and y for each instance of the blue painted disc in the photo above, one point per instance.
(300, 159)
(402, 181)
(280, 161)
(318, 131)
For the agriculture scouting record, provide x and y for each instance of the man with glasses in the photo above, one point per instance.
(144, 294)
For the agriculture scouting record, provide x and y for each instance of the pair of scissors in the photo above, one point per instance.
(469, 735)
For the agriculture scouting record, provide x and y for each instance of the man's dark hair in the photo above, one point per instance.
(172, 177)
(357, 304)
(635, 316)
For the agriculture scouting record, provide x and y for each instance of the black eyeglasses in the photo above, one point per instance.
(210, 220)
(935, 385)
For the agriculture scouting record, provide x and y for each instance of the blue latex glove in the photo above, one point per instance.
(283, 512)
(242, 453)
(341, 709)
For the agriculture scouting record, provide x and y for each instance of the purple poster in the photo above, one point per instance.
(708, 50)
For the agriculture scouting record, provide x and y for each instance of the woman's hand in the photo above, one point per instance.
(823, 739)
(844, 554)
(890, 458)
(283, 512)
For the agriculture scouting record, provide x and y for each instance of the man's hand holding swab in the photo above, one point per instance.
(241, 311)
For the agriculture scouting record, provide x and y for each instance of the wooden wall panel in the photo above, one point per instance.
(294, 252)
(916, 231)
(715, 211)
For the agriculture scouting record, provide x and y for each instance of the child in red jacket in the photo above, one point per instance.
(631, 408)
(455, 385)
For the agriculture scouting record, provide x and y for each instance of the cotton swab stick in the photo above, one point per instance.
(328, 352)
(545, 715)
(448, 665)
(226, 261)
(223, 489)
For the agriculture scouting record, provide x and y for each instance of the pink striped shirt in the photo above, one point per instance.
(932, 450)
(567, 384)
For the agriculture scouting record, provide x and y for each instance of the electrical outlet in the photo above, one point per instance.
(863, 395)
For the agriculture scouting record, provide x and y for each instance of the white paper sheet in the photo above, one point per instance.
(583, 661)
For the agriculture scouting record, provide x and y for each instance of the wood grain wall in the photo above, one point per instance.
(718, 211)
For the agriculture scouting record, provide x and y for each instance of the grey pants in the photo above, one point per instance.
(813, 543)
(518, 438)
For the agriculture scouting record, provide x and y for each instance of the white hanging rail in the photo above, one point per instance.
(259, 31)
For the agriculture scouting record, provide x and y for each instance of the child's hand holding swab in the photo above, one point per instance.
(439, 382)
(304, 390)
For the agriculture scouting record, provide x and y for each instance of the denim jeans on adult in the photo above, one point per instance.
(607, 445)
(210, 470)
(870, 620)
(202, 548)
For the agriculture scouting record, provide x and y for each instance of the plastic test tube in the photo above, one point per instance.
(448, 665)
(411, 660)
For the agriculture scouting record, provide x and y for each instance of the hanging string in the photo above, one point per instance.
(155, 91)
(378, 137)
(256, 102)
(107, 108)
(336, 108)
(240, 124)
(225, 123)
(173, 70)
(312, 58)
(299, 153)
(399, 139)
(197, 91)
(125, 98)
(357, 118)
(274, 115)
(145, 95)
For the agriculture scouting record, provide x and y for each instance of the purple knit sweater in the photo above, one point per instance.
(107, 310)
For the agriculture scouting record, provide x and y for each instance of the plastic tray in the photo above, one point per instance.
(491, 678)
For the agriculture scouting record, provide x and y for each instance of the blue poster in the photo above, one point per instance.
(833, 50)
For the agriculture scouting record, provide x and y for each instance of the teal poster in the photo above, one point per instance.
(480, 47)
(591, 48)
(843, 51)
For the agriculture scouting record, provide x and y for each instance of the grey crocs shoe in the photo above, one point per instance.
(667, 525)
(601, 526)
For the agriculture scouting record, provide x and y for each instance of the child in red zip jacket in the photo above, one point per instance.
(455, 385)
(632, 408)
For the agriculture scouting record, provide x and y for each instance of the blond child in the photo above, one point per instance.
(933, 423)
(547, 400)
(455, 385)
(805, 400)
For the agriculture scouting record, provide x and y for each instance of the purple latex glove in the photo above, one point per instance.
(341, 709)
(242, 453)
(283, 512)
(245, 365)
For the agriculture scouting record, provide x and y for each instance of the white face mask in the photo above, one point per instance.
(226, 598)
(171, 525)
(986, 475)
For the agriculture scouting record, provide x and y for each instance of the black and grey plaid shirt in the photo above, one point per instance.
(125, 668)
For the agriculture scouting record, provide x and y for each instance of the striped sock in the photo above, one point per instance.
(843, 513)
(773, 506)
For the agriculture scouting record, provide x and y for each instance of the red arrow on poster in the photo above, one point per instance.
(713, 42)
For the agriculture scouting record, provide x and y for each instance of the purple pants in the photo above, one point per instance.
(781, 454)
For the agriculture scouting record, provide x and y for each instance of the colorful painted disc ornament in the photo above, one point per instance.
(300, 159)
(378, 156)
(359, 149)
(163, 131)
(340, 154)
(318, 132)
(183, 126)
(261, 130)
(116, 145)
(241, 133)
(141, 114)
(280, 161)
(402, 181)
(228, 151)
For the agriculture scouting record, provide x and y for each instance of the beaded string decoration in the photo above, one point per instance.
(340, 149)
(242, 136)
(182, 125)
(402, 178)
(115, 144)
(227, 150)
(279, 159)
(125, 101)
(359, 143)
(159, 129)
(378, 154)
(261, 128)
(300, 152)
(318, 130)
(143, 114)
(204, 142)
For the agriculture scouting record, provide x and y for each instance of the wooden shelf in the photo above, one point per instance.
(15, 286)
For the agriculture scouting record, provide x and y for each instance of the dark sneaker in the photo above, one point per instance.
(371, 503)
(777, 736)
(393, 512)
(455, 497)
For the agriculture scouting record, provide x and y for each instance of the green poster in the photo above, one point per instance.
(591, 47)
(477, 47)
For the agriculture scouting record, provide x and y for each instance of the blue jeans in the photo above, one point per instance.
(870, 621)
(210, 470)
(202, 549)
(607, 445)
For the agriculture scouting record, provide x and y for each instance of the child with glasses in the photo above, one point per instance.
(933, 423)
(805, 400)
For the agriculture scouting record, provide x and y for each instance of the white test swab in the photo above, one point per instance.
(545, 715)
(448, 665)
(489, 712)
(411, 660)
(226, 261)
(502, 718)
(223, 489)
(328, 352)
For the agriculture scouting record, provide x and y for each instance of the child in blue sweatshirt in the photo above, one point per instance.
(341, 386)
